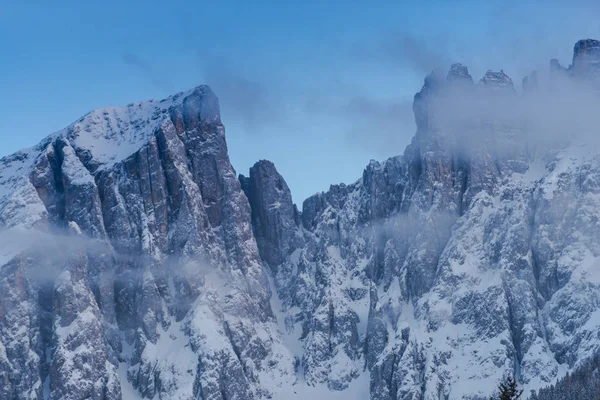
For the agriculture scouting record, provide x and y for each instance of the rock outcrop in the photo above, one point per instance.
(275, 218)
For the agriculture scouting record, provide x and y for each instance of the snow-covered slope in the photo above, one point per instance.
(102, 138)
(136, 264)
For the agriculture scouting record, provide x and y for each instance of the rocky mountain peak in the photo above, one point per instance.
(459, 72)
(587, 50)
(586, 59)
(497, 80)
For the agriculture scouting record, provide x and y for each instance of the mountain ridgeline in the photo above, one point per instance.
(136, 264)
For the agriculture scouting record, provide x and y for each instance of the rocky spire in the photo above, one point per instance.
(555, 66)
(275, 218)
(530, 83)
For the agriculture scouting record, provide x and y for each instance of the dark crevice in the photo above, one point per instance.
(58, 181)
(100, 178)
(462, 168)
(542, 294)
(377, 269)
(150, 183)
(331, 326)
(234, 346)
(393, 385)
(46, 322)
(197, 388)
(143, 152)
(516, 336)
(535, 263)
(161, 146)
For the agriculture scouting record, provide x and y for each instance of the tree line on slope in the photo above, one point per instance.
(581, 384)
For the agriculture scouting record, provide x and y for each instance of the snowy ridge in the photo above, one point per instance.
(102, 138)
(112, 134)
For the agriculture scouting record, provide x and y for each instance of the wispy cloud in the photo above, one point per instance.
(400, 49)
(370, 123)
(160, 81)
(255, 103)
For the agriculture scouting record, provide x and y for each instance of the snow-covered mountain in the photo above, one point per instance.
(136, 264)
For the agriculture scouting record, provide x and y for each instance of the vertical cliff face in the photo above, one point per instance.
(275, 218)
(136, 264)
(166, 259)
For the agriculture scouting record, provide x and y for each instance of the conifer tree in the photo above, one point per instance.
(508, 391)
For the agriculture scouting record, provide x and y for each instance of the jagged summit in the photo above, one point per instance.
(459, 72)
(118, 130)
(107, 135)
(586, 65)
(497, 80)
(95, 143)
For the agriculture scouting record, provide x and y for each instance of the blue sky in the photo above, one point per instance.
(317, 87)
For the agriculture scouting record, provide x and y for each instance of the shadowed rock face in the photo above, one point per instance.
(137, 263)
(275, 218)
